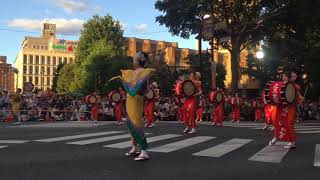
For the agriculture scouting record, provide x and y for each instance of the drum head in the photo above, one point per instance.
(92, 99)
(115, 97)
(150, 94)
(188, 88)
(290, 93)
(219, 97)
(28, 86)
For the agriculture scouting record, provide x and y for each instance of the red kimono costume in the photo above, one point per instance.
(235, 103)
(190, 107)
(150, 105)
(284, 122)
(94, 112)
(257, 111)
(200, 111)
(118, 111)
(218, 112)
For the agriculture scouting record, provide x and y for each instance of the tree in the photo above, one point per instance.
(56, 77)
(100, 55)
(66, 78)
(244, 21)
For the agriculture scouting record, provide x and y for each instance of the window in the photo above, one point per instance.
(54, 60)
(37, 70)
(48, 81)
(54, 70)
(30, 79)
(60, 60)
(30, 69)
(24, 69)
(64, 60)
(30, 59)
(24, 79)
(42, 60)
(48, 70)
(37, 59)
(48, 60)
(70, 60)
(42, 70)
(36, 81)
(24, 59)
(33, 46)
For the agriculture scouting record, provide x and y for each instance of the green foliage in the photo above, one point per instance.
(244, 22)
(66, 78)
(100, 55)
(56, 77)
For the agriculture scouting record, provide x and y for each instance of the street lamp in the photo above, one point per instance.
(260, 54)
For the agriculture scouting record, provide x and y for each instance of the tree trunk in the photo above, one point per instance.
(235, 57)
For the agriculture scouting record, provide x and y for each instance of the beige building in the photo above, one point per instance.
(39, 57)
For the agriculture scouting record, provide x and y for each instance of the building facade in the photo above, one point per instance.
(39, 57)
(6, 75)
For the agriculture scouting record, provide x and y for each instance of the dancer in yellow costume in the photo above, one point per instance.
(135, 83)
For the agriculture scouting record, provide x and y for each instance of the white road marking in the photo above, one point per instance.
(127, 144)
(63, 138)
(317, 156)
(181, 144)
(102, 139)
(3, 147)
(13, 141)
(272, 154)
(224, 148)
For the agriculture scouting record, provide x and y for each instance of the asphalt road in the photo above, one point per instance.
(75, 151)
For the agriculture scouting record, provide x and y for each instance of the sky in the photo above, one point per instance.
(21, 18)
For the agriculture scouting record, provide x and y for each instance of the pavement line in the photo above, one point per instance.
(224, 148)
(102, 139)
(13, 141)
(78, 136)
(306, 129)
(181, 144)
(317, 156)
(127, 144)
(3, 146)
(272, 154)
(308, 132)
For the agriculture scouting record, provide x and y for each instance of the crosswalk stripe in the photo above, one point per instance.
(317, 156)
(224, 148)
(3, 146)
(306, 129)
(99, 140)
(13, 141)
(308, 132)
(181, 144)
(78, 136)
(127, 144)
(102, 139)
(272, 154)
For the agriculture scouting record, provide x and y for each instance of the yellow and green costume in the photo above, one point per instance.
(135, 83)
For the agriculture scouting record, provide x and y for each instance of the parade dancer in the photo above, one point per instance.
(235, 104)
(190, 105)
(284, 122)
(257, 110)
(135, 83)
(118, 110)
(218, 109)
(150, 106)
(16, 110)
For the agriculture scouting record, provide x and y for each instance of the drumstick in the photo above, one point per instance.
(114, 78)
(305, 92)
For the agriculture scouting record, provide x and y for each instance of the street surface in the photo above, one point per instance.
(84, 150)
